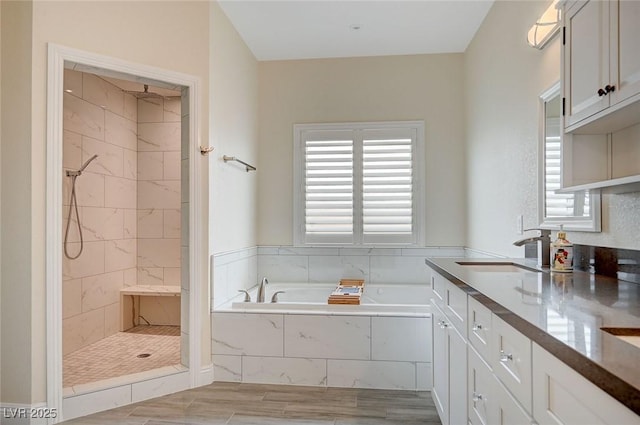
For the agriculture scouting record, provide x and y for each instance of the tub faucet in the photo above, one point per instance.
(544, 245)
(261, 290)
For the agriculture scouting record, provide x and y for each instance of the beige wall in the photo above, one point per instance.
(0, 204)
(16, 168)
(234, 132)
(503, 80)
(420, 87)
(168, 35)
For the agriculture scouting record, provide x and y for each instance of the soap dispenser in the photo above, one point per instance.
(561, 254)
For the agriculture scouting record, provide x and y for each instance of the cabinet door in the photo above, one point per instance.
(586, 59)
(480, 393)
(625, 39)
(440, 391)
(562, 396)
(457, 377)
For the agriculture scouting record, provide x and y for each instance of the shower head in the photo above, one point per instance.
(87, 163)
(146, 94)
(78, 172)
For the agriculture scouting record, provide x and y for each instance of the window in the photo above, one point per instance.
(574, 211)
(358, 184)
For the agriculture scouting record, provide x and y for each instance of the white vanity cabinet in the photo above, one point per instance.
(449, 352)
(562, 397)
(492, 374)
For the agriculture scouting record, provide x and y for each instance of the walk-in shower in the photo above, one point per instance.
(123, 232)
(74, 207)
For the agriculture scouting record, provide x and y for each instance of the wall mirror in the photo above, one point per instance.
(578, 211)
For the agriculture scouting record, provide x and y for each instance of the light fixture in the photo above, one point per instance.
(545, 27)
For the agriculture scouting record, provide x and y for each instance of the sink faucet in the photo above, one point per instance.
(544, 245)
(261, 290)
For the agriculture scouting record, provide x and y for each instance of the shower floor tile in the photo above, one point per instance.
(117, 355)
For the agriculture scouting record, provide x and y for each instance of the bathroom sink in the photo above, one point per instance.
(630, 335)
(496, 266)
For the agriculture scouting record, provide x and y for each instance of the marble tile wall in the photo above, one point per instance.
(341, 351)
(98, 118)
(233, 271)
(243, 269)
(130, 200)
(159, 191)
(322, 350)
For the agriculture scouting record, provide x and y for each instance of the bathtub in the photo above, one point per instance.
(411, 300)
(385, 342)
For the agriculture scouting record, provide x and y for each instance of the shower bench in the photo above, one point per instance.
(131, 299)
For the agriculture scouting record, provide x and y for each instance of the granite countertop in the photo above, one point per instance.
(563, 313)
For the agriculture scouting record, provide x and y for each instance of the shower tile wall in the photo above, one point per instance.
(159, 191)
(98, 119)
(159, 203)
(129, 203)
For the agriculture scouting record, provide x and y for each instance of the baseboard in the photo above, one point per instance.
(205, 377)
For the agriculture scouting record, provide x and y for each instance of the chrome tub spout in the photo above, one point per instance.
(261, 290)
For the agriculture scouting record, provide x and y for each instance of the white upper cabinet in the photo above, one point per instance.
(625, 59)
(601, 96)
(586, 60)
(601, 63)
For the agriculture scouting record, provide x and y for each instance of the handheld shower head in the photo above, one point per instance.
(87, 163)
(78, 172)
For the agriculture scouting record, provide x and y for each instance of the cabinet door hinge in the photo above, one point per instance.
(563, 99)
(564, 35)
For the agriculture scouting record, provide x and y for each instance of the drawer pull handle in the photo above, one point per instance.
(504, 357)
(477, 397)
(443, 324)
(476, 327)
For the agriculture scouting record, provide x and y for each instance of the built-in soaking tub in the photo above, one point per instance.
(377, 299)
(383, 343)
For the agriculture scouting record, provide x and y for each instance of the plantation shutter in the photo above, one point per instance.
(387, 186)
(565, 205)
(328, 186)
(355, 184)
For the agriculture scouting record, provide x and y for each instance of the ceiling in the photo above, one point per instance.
(304, 29)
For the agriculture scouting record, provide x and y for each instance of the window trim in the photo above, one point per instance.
(575, 224)
(418, 183)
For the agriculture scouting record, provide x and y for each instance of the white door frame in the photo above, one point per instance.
(108, 66)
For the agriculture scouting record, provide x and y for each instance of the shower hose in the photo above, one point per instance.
(73, 206)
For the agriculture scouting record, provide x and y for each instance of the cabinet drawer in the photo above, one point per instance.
(480, 391)
(479, 328)
(564, 397)
(511, 360)
(506, 410)
(439, 289)
(455, 307)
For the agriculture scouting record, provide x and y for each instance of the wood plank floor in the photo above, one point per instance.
(255, 404)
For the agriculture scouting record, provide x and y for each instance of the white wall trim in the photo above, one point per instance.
(58, 56)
